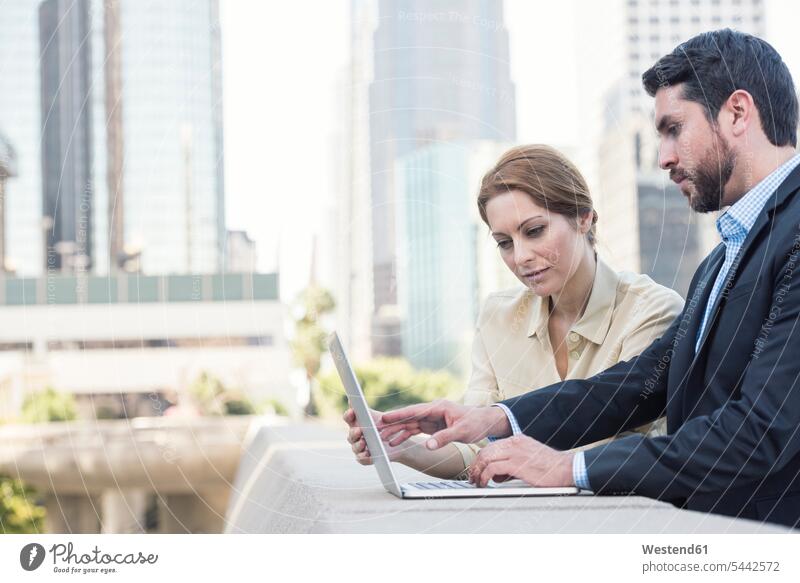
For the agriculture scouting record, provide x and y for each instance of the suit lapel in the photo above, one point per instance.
(787, 187)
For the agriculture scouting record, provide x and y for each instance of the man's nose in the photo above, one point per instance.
(667, 156)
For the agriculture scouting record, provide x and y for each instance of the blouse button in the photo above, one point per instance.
(574, 337)
(574, 355)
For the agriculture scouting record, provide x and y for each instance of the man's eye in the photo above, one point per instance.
(673, 130)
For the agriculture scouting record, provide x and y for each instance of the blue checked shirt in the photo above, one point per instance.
(734, 225)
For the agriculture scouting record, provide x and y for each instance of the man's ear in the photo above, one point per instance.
(741, 111)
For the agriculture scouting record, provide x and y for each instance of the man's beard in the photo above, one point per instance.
(711, 176)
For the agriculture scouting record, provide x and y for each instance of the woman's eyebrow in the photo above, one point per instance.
(520, 226)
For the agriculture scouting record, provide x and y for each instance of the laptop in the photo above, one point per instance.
(435, 489)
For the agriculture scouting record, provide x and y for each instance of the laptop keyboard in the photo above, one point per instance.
(444, 485)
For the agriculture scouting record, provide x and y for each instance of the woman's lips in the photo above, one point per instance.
(536, 276)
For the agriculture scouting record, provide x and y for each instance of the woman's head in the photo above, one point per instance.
(538, 207)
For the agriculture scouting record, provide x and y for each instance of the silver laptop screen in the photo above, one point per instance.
(359, 404)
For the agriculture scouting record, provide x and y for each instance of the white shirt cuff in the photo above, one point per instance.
(515, 429)
(579, 473)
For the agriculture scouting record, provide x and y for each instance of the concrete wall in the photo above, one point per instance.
(303, 479)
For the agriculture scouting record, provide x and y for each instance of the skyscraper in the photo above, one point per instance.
(353, 232)
(67, 152)
(645, 224)
(8, 168)
(443, 271)
(150, 128)
(172, 123)
(441, 74)
(655, 27)
(21, 124)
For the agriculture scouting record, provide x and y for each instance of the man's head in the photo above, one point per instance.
(724, 99)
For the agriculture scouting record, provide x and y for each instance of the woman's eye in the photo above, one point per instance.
(505, 244)
(535, 231)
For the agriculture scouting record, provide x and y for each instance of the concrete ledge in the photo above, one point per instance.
(303, 479)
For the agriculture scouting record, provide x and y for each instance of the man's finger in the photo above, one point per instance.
(349, 416)
(443, 437)
(411, 413)
(492, 469)
(491, 453)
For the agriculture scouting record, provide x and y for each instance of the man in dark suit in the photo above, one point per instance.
(727, 372)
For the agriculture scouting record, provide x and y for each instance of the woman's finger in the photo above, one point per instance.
(354, 434)
(400, 438)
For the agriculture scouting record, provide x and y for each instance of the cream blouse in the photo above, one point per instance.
(512, 353)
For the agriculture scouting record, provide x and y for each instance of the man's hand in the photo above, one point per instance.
(445, 422)
(524, 458)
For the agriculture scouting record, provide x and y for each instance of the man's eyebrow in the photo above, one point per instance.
(664, 122)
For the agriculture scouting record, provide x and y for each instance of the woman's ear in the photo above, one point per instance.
(585, 221)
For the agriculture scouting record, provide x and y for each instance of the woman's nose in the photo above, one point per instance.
(522, 254)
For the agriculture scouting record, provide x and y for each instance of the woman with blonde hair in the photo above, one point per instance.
(574, 317)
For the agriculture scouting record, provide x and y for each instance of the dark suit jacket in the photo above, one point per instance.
(733, 409)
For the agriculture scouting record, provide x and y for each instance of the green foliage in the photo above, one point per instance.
(309, 342)
(388, 383)
(19, 511)
(273, 406)
(212, 397)
(239, 405)
(48, 405)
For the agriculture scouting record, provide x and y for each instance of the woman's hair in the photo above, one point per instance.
(544, 174)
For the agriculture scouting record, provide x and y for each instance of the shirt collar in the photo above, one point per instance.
(596, 319)
(736, 222)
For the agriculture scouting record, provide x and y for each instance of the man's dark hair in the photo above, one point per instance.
(712, 65)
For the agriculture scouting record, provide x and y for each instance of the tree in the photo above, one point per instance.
(214, 398)
(389, 383)
(49, 405)
(20, 511)
(309, 342)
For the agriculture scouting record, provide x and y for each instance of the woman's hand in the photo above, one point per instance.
(355, 437)
(524, 458)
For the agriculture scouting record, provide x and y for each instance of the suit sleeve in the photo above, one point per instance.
(742, 441)
(582, 411)
(658, 310)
